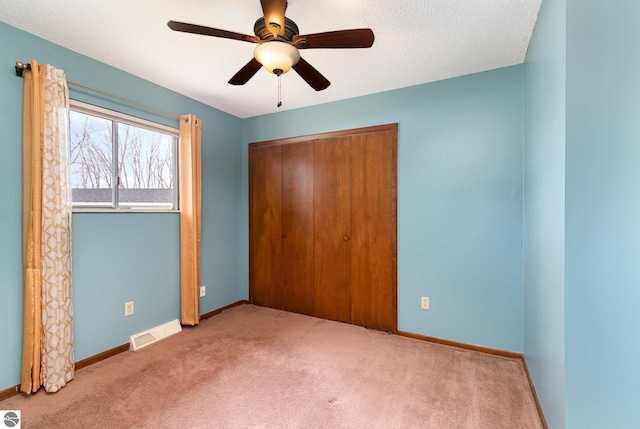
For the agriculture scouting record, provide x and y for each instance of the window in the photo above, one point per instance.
(121, 162)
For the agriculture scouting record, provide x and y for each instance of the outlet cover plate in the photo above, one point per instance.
(203, 291)
(128, 308)
(424, 303)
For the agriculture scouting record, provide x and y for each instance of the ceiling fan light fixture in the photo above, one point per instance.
(277, 57)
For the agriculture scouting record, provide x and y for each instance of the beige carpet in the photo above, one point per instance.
(254, 367)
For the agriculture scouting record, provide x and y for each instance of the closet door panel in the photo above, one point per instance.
(297, 227)
(332, 246)
(265, 244)
(374, 232)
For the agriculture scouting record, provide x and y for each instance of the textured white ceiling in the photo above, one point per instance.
(416, 41)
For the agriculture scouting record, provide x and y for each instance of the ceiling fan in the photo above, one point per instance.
(278, 42)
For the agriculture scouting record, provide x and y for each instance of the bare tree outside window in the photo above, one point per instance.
(145, 164)
(91, 151)
(145, 158)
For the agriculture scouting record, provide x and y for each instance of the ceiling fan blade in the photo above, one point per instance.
(245, 73)
(274, 15)
(208, 31)
(311, 75)
(359, 38)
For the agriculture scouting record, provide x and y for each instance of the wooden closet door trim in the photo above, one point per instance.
(327, 135)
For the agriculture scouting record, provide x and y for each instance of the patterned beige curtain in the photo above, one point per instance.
(190, 218)
(48, 316)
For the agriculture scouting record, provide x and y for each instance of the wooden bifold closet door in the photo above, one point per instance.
(332, 229)
(323, 228)
(373, 230)
(297, 228)
(265, 225)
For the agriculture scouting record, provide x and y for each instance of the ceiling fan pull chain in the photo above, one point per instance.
(279, 91)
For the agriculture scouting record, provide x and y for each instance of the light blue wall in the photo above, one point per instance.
(544, 179)
(603, 214)
(120, 258)
(117, 257)
(459, 198)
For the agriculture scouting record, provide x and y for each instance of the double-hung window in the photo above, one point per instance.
(121, 162)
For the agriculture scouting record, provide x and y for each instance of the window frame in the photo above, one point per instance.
(118, 117)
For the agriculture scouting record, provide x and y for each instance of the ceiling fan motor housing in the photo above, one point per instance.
(261, 30)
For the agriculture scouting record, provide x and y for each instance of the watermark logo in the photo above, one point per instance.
(11, 419)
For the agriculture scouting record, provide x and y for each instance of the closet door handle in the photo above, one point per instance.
(284, 235)
(345, 238)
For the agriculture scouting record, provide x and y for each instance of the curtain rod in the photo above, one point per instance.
(21, 67)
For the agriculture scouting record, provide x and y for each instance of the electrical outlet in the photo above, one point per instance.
(424, 303)
(203, 291)
(128, 308)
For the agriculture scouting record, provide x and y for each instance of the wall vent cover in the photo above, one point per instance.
(150, 336)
